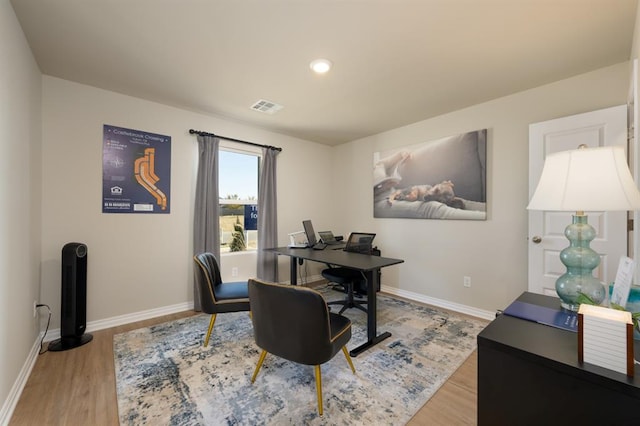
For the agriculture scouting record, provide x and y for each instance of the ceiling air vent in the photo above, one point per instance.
(267, 107)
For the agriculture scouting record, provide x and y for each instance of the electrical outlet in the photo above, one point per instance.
(35, 308)
(467, 281)
(234, 272)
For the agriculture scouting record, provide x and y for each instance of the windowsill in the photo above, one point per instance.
(236, 253)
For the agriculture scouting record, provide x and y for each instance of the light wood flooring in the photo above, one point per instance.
(77, 387)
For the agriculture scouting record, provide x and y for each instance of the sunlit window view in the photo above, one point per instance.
(238, 191)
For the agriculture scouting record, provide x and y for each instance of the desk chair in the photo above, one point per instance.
(348, 278)
(294, 323)
(218, 297)
(352, 279)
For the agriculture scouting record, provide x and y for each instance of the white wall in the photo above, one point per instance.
(141, 262)
(438, 253)
(20, 200)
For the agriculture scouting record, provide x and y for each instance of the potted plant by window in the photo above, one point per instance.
(238, 242)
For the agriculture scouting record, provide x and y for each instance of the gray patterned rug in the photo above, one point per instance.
(164, 376)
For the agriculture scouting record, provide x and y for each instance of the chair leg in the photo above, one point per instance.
(319, 388)
(211, 322)
(260, 361)
(358, 305)
(346, 355)
(350, 298)
(350, 301)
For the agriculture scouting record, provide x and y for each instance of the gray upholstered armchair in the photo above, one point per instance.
(294, 323)
(218, 297)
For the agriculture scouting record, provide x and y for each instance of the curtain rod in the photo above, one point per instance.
(198, 132)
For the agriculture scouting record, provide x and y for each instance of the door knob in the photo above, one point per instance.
(536, 240)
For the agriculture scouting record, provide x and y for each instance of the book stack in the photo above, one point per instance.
(605, 338)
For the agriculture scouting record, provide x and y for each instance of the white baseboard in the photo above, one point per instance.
(306, 279)
(16, 390)
(127, 319)
(464, 309)
(138, 316)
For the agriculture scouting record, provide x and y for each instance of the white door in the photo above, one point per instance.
(546, 229)
(634, 159)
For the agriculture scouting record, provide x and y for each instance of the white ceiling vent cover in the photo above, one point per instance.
(267, 107)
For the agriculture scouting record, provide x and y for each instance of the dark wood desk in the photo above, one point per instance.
(368, 264)
(528, 374)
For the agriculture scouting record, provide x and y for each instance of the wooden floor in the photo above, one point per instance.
(77, 387)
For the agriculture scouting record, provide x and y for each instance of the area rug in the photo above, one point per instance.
(164, 376)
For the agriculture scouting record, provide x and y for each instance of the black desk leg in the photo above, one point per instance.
(372, 316)
(293, 271)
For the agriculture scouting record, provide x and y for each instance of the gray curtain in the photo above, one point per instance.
(268, 217)
(206, 223)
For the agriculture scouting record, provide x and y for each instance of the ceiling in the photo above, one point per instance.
(396, 62)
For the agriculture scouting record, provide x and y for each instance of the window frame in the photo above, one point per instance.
(237, 148)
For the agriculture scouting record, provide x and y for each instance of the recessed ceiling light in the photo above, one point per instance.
(320, 66)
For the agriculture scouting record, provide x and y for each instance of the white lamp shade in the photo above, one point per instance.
(589, 179)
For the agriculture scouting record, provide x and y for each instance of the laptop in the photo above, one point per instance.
(312, 242)
(327, 237)
(360, 242)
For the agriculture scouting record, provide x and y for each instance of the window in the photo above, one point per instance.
(238, 191)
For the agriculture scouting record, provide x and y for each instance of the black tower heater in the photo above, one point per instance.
(73, 303)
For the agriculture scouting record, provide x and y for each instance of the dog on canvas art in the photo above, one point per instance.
(441, 192)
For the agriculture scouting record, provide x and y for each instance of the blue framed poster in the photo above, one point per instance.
(136, 171)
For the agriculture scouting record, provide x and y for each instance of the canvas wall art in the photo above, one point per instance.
(439, 179)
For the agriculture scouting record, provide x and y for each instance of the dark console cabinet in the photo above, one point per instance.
(528, 374)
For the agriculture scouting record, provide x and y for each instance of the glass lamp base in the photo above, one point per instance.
(578, 282)
(570, 307)
(571, 288)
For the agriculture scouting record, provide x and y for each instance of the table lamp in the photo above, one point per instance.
(585, 179)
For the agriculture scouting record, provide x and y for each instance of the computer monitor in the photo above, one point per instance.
(311, 234)
(360, 242)
(327, 237)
